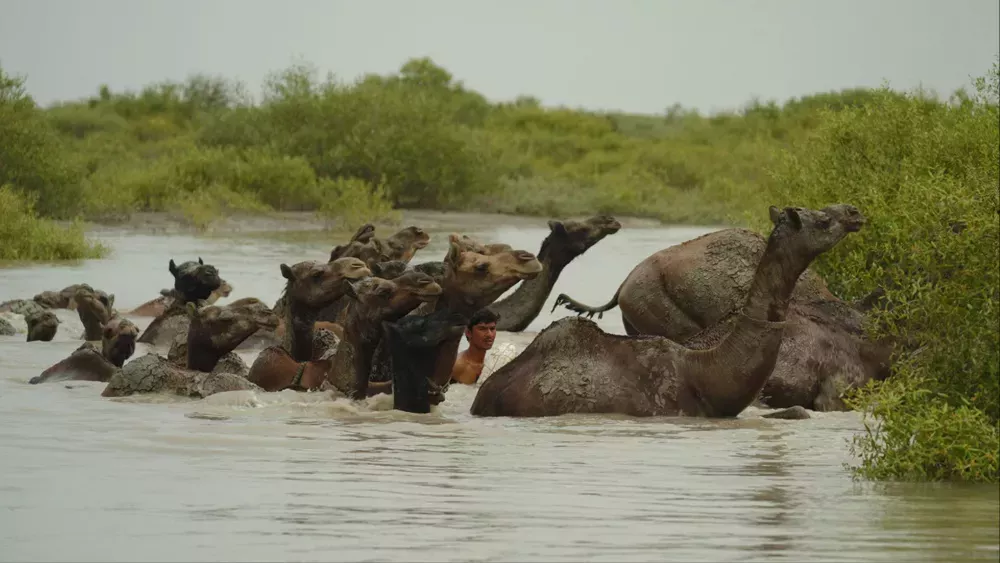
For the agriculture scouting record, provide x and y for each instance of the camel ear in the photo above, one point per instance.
(793, 216)
(350, 291)
(200, 261)
(173, 268)
(286, 273)
(111, 301)
(557, 227)
(775, 214)
(453, 249)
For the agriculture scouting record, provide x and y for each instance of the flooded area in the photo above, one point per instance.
(290, 476)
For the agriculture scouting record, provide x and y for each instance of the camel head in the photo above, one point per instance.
(476, 279)
(96, 309)
(379, 299)
(427, 331)
(806, 233)
(433, 269)
(569, 239)
(195, 281)
(226, 327)
(417, 285)
(389, 270)
(118, 340)
(406, 242)
(316, 285)
(42, 325)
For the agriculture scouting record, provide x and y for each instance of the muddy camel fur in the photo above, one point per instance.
(373, 300)
(574, 367)
(156, 307)
(194, 282)
(309, 287)
(96, 309)
(42, 326)
(566, 241)
(690, 293)
(412, 341)
(90, 363)
(215, 332)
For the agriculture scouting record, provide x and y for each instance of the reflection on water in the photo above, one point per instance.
(288, 476)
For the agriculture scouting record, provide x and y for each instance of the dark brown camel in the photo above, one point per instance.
(156, 307)
(214, 333)
(194, 282)
(412, 342)
(96, 309)
(90, 363)
(42, 326)
(373, 300)
(690, 293)
(566, 241)
(310, 286)
(574, 367)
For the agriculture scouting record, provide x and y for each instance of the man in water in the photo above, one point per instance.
(480, 332)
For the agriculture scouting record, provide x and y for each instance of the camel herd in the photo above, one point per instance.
(714, 325)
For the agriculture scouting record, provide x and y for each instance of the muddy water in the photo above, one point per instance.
(286, 476)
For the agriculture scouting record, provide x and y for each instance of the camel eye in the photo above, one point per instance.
(824, 223)
(482, 268)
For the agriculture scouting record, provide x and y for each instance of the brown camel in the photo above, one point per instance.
(156, 307)
(90, 363)
(574, 367)
(400, 246)
(566, 241)
(215, 332)
(310, 287)
(690, 293)
(62, 299)
(96, 309)
(193, 282)
(472, 280)
(373, 300)
(42, 326)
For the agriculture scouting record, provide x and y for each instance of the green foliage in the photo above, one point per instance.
(25, 236)
(927, 176)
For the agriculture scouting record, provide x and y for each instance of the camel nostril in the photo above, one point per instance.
(524, 256)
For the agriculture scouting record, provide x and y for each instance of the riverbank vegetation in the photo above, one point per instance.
(923, 170)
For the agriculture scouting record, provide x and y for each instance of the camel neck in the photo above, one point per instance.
(201, 355)
(733, 373)
(299, 321)
(520, 308)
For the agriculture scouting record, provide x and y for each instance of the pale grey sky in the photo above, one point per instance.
(631, 55)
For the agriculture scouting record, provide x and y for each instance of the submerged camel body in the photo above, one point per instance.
(214, 333)
(574, 367)
(194, 282)
(90, 363)
(690, 293)
(566, 241)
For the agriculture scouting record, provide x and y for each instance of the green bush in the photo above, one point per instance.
(927, 176)
(25, 236)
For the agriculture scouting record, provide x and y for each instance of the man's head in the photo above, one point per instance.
(482, 329)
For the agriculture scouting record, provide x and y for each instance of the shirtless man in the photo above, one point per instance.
(480, 332)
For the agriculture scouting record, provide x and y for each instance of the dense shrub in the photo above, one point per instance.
(25, 236)
(927, 176)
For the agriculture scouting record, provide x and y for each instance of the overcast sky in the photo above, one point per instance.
(631, 55)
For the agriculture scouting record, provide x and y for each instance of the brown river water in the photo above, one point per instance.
(287, 476)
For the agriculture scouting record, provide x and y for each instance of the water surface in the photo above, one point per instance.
(287, 476)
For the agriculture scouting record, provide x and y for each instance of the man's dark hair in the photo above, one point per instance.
(483, 316)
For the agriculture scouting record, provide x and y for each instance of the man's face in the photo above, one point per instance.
(482, 335)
